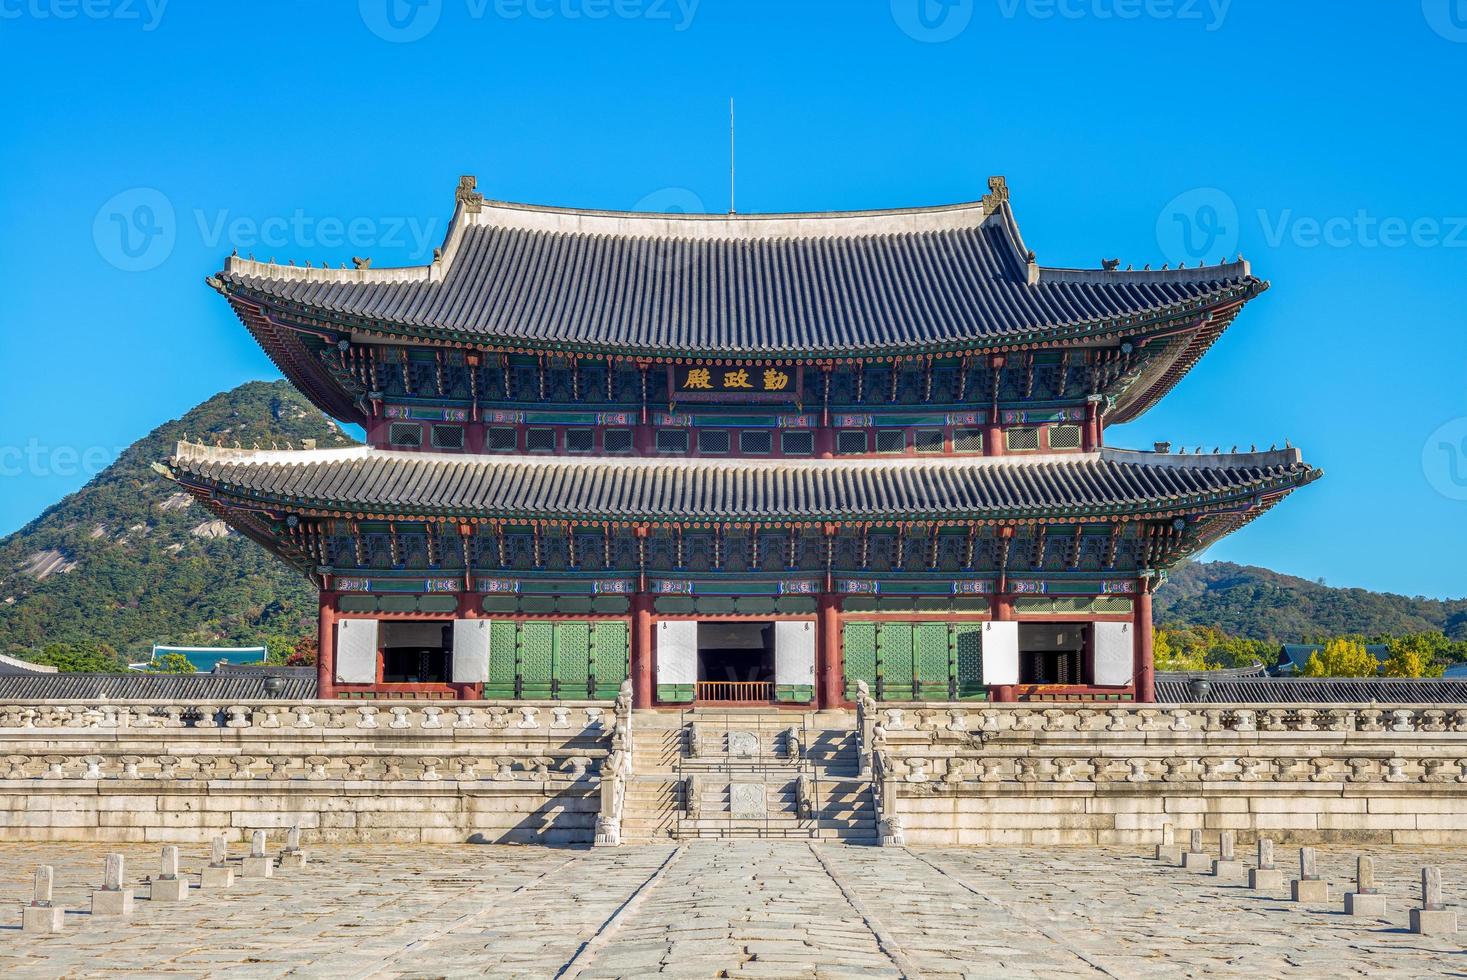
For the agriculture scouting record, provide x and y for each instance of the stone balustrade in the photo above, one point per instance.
(380, 771)
(1031, 774)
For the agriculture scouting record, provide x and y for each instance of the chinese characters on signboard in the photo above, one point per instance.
(732, 382)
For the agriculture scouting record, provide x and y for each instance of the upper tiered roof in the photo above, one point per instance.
(1110, 483)
(954, 279)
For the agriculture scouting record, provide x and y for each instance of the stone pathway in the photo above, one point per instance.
(724, 908)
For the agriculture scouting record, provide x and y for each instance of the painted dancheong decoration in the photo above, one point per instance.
(736, 458)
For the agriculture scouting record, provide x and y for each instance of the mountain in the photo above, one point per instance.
(1260, 604)
(129, 560)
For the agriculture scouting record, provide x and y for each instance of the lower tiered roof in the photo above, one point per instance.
(1109, 483)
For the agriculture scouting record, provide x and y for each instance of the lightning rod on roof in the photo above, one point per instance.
(732, 185)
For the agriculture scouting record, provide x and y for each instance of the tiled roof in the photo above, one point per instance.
(1319, 690)
(932, 279)
(1103, 483)
(1294, 657)
(151, 687)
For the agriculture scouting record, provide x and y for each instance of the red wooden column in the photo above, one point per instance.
(1092, 433)
(1003, 612)
(326, 646)
(641, 653)
(993, 437)
(830, 666)
(1145, 666)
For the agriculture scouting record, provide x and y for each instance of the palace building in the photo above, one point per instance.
(735, 458)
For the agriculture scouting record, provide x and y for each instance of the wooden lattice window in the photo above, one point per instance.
(797, 443)
(405, 435)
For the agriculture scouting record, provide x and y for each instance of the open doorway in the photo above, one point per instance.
(735, 661)
(416, 653)
(1052, 653)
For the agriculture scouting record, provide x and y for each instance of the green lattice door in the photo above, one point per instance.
(503, 660)
(572, 661)
(894, 661)
(858, 647)
(968, 660)
(537, 661)
(609, 658)
(932, 661)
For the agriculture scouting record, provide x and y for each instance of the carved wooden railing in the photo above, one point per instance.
(735, 692)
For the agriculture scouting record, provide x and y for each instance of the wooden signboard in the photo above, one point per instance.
(735, 383)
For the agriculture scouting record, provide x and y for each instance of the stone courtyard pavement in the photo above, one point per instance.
(709, 909)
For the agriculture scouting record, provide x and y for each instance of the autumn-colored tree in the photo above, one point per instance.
(1342, 658)
(1173, 651)
(1411, 656)
(304, 654)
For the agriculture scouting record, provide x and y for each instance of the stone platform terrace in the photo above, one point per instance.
(724, 908)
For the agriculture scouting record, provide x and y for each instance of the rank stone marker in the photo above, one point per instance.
(1168, 850)
(1365, 899)
(218, 873)
(40, 915)
(1309, 887)
(112, 898)
(1227, 864)
(1265, 876)
(1433, 918)
(1196, 859)
(292, 858)
(258, 864)
(169, 886)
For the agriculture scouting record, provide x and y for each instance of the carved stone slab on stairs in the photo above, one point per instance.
(743, 745)
(747, 799)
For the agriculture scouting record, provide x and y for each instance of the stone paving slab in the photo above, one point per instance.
(724, 908)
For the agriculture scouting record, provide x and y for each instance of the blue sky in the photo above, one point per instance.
(142, 140)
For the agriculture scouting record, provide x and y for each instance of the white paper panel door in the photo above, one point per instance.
(794, 654)
(470, 651)
(677, 652)
(1114, 654)
(1000, 653)
(356, 651)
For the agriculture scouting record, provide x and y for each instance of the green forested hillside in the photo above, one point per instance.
(1260, 604)
(128, 560)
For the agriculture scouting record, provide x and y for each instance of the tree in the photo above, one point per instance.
(1413, 656)
(1178, 650)
(1342, 657)
(173, 663)
(304, 654)
(86, 658)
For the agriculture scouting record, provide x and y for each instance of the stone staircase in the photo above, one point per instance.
(760, 773)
